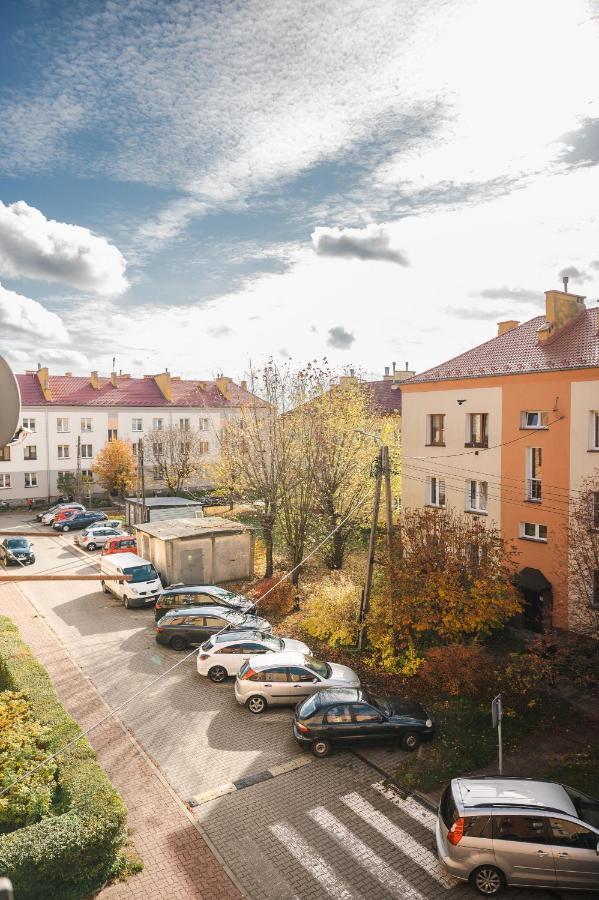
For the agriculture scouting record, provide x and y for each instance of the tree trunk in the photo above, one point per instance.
(268, 545)
(335, 556)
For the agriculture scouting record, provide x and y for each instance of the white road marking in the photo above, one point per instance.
(400, 838)
(314, 864)
(408, 805)
(395, 883)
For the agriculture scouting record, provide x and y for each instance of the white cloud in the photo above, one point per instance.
(21, 360)
(340, 338)
(370, 243)
(22, 317)
(32, 246)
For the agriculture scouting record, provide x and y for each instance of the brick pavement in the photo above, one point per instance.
(177, 860)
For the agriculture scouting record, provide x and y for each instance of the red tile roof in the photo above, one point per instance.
(575, 346)
(75, 390)
(386, 396)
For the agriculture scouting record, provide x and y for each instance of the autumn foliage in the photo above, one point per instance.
(116, 467)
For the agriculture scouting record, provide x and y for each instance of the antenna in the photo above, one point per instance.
(565, 279)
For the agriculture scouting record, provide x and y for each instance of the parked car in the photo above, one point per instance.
(96, 536)
(356, 717)
(145, 584)
(283, 679)
(17, 551)
(63, 514)
(80, 520)
(189, 627)
(49, 516)
(123, 543)
(224, 654)
(518, 831)
(181, 596)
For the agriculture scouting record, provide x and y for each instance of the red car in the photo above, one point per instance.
(124, 543)
(67, 513)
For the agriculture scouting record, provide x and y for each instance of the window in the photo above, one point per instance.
(30, 451)
(86, 451)
(530, 531)
(534, 467)
(62, 425)
(156, 473)
(87, 475)
(29, 423)
(137, 425)
(476, 496)
(436, 492)
(203, 446)
(157, 424)
(594, 431)
(272, 675)
(184, 424)
(30, 479)
(5, 454)
(339, 715)
(112, 434)
(570, 834)
(478, 435)
(478, 827)
(534, 420)
(64, 451)
(86, 424)
(474, 555)
(4, 481)
(203, 425)
(529, 829)
(300, 675)
(436, 430)
(363, 713)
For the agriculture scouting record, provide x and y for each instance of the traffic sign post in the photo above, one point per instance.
(497, 715)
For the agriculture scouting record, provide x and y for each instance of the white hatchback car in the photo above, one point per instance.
(96, 535)
(224, 654)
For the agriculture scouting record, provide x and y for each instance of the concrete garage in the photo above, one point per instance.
(153, 508)
(212, 550)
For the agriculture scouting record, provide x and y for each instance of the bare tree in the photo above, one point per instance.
(176, 454)
(583, 540)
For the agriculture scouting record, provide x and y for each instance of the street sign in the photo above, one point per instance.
(497, 715)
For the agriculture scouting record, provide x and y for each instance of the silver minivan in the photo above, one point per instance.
(497, 831)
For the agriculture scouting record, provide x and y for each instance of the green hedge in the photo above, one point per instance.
(73, 852)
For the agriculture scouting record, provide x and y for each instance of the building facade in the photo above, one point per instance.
(71, 418)
(509, 431)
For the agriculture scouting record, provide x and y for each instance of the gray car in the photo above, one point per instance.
(517, 831)
(283, 679)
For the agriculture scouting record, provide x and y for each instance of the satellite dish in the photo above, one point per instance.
(10, 403)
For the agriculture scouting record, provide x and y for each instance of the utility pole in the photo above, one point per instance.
(78, 473)
(386, 467)
(140, 456)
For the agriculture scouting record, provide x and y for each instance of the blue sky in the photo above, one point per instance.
(194, 185)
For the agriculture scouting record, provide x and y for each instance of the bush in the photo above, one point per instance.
(333, 610)
(23, 743)
(280, 600)
(459, 670)
(73, 853)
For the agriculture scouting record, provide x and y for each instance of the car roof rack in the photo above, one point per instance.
(530, 807)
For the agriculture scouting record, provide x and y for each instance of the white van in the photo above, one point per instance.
(145, 584)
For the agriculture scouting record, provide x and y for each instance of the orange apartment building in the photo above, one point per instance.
(510, 430)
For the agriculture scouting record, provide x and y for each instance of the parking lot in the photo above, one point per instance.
(324, 828)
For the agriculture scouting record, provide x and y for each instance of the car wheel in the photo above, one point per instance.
(104, 588)
(488, 880)
(91, 546)
(66, 528)
(256, 704)
(410, 741)
(31, 561)
(178, 643)
(217, 674)
(321, 748)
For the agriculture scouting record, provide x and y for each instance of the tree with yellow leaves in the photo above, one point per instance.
(116, 467)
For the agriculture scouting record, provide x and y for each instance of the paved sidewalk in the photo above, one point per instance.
(177, 861)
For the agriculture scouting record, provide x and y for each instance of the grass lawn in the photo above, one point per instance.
(579, 770)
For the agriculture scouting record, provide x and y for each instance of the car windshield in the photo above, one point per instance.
(379, 703)
(18, 543)
(309, 707)
(207, 645)
(316, 665)
(587, 809)
(272, 642)
(141, 573)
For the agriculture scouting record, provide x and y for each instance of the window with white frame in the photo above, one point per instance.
(530, 531)
(534, 472)
(435, 491)
(184, 424)
(29, 423)
(157, 424)
(4, 480)
(87, 451)
(4, 454)
(534, 419)
(477, 434)
(137, 425)
(203, 426)
(476, 495)
(134, 448)
(30, 451)
(112, 434)
(63, 451)
(86, 424)
(87, 475)
(594, 431)
(435, 427)
(203, 446)
(30, 479)
(62, 424)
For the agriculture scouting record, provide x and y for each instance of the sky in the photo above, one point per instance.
(195, 185)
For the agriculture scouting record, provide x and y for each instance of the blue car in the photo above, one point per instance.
(79, 520)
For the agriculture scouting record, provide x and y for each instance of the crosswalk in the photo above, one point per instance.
(403, 864)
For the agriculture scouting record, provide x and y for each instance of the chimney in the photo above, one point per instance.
(113, 380)
(93, 380)
(42, 377)
(560, 308)
(386, 376)
(346, 380)
(68, 374)
(222, 383)
(243, 385)
(401, 374)
(163, 383)
(504, 327)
